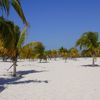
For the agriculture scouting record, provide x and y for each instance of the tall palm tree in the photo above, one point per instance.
(5, 7)
(89, 41)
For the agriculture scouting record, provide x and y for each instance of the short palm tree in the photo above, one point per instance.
(38, 50)
(33, 50)
(89, 41)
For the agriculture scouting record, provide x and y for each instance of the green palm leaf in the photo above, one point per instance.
(5, 6)
(22, 38)
(17, 6)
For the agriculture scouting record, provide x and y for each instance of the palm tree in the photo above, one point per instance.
(9, 32)
(5, 7)
(89, 41)
(14, 37)
(39, 51)
(33, 50)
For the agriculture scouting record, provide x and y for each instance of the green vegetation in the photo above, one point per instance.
(5, 6)
(33, 50)
(10, 43)
(10, 32)
(89, 44)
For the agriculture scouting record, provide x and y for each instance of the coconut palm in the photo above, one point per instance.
(5, 6)
(89, 41)
(11, 39)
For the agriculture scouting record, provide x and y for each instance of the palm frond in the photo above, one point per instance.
(22, 38)
(17, 6)
(5, 5)
(9, 33)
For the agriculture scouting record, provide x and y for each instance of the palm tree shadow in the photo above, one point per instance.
(30, 81)
(29, 72)
(90, 65)
(2, 88)
(16, 80)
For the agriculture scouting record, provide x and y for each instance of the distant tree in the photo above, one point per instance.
(97, 52)
(39, 51)
(89, 41)
(27, 51)
(54, 54)
(48, 54)
(62, 51)
(73, 53)
(33, 50)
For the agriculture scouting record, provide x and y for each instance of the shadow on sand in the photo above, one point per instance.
(29, 72)
(16, 80)
(90, 65)
(2, 88)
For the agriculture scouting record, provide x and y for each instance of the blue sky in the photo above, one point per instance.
(58, 23)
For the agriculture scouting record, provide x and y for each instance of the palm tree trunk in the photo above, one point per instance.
(14, 66)
(15, 63)
(93, 60)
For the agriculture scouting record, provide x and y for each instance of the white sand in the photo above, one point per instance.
(55, 80)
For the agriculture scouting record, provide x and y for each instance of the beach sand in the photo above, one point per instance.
(55, 80)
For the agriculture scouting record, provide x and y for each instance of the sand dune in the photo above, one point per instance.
(55, 80)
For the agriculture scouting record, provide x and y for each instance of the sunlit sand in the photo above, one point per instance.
(55, 80)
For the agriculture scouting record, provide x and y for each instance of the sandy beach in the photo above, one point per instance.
(55, 80)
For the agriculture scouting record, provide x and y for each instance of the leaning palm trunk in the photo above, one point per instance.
(14, 67)
(14, 59)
